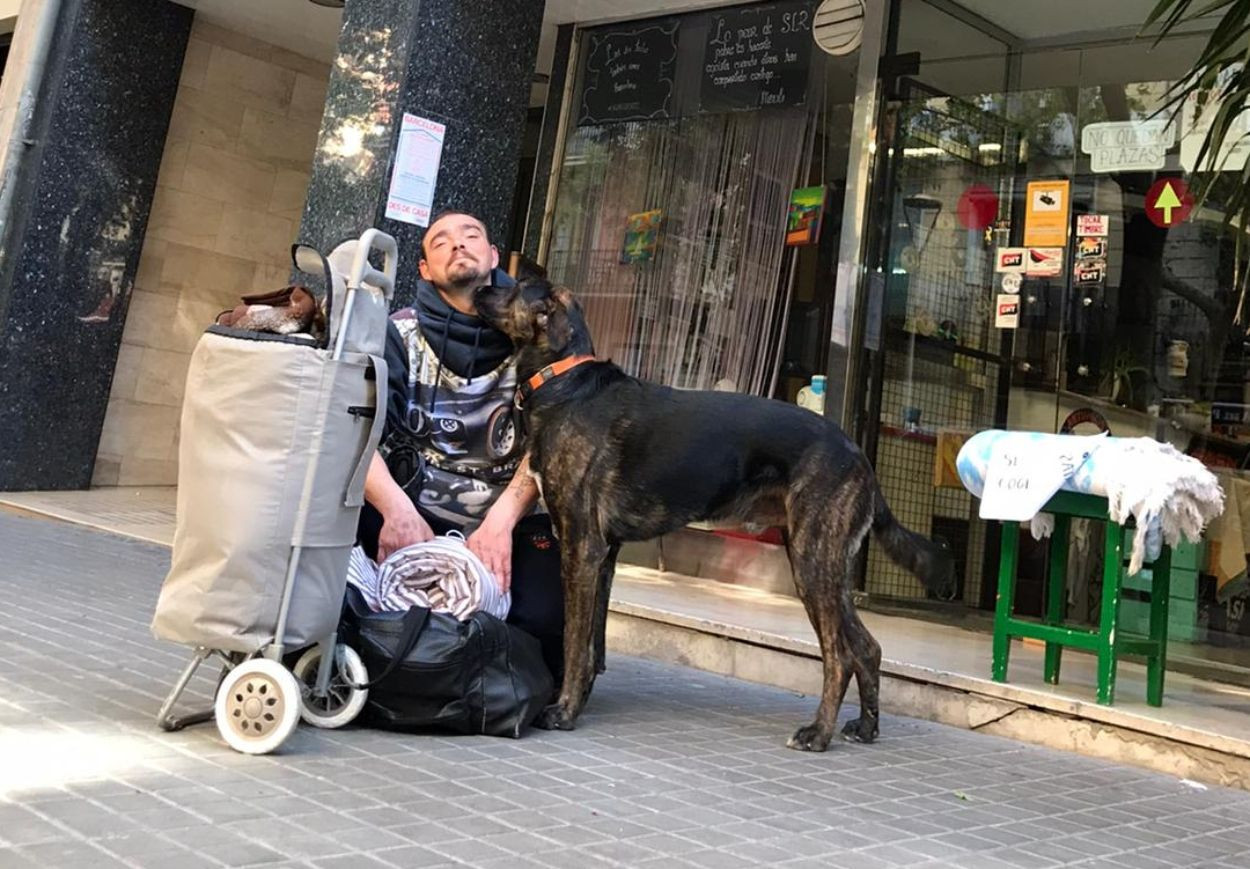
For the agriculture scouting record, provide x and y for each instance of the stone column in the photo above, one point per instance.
(466, 65)
(71, 233)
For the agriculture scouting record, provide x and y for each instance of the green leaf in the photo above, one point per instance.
(1219, 83)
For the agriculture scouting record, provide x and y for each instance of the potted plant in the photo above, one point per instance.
(1117, 383)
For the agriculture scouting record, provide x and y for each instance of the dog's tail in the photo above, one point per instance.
(929, 562)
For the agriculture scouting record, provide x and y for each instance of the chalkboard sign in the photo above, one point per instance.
(629, 75)
(757, 57)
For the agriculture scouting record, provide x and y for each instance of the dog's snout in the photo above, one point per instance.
(494, 305)
(487, 299)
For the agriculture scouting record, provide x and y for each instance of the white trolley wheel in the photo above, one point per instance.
(257, 706)
(342, 702)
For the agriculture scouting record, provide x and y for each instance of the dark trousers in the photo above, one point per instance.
(537, 591)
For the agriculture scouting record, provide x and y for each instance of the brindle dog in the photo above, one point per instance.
(619, 459)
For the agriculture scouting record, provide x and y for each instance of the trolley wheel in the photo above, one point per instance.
(257, 706)
(342, 702)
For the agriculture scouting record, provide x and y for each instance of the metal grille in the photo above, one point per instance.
(956, 398)
(939, 367)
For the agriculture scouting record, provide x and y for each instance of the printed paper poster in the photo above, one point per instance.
(806, 210)
(1044, 261)
(1007, 312)
(1010, 259)
(642, 233)
(411, 194)
(1046, 215)
(1091, 247)
(807, 205)
(1090, 271)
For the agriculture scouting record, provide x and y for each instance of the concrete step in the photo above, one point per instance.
(726, 556)
(939, 673)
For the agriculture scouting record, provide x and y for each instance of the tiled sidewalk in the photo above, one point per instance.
(670, 767)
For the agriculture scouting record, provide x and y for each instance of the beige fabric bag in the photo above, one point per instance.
(257, 411)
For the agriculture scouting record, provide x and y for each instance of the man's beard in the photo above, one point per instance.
(467, 275)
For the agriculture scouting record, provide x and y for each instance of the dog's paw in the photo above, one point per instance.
(809, 738)
(554, 717)
(862, 729)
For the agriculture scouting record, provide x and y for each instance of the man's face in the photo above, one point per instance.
(457, 254)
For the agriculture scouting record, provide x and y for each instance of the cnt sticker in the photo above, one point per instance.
(1007, 312)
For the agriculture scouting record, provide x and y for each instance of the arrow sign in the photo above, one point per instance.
(1168, 202)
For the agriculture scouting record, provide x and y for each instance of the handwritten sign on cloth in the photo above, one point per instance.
(757, 57)
(1022, 476)
(629, 75)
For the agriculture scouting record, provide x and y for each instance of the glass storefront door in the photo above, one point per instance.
(998, 133)
(938, 364)
(1127, 318)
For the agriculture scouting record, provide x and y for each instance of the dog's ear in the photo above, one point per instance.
(564, 296)
(527, 269)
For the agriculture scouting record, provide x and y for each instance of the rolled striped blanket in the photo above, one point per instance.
(442, 574)
(1169, 495)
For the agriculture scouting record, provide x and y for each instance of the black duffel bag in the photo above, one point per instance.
(431, 670)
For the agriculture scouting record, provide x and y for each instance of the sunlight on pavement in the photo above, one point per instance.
(31, 760)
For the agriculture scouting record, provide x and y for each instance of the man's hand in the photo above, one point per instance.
(401, 526)
(492, 543)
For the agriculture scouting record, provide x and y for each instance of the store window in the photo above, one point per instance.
(1028, 134)
(1052, 153)
(688, 137)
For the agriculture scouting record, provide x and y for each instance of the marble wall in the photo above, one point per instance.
(228, 202)
(466, 65)
(70, 247)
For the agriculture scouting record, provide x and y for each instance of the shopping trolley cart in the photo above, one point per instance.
(277, 434)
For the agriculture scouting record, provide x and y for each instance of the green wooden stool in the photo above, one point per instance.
(1105, 640)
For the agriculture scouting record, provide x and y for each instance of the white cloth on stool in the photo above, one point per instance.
(1169, 495)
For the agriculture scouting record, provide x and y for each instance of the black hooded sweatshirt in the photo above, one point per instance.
(464, 424)
(465, 344)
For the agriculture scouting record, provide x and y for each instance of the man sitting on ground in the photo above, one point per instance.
(453, 452)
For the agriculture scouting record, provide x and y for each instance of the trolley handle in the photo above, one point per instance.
(310, 261)
(362, 272)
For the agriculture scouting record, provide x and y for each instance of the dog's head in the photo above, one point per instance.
(544, 322)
